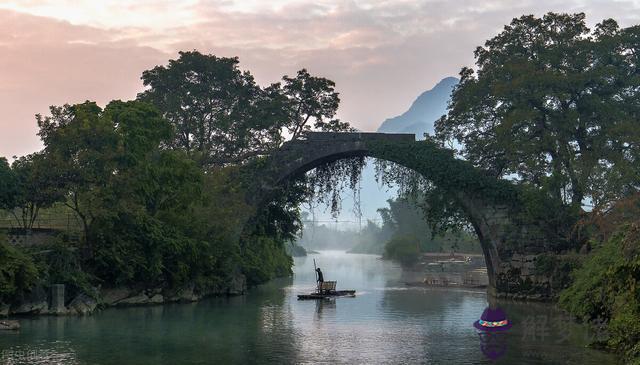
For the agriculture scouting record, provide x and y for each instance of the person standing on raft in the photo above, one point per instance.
(320, 279)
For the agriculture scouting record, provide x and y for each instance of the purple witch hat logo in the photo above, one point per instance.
(492, 327)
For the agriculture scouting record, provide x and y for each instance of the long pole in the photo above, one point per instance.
(315, 270)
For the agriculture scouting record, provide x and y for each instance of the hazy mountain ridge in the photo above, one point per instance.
(424, 111)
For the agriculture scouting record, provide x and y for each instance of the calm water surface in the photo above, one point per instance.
(386, 323)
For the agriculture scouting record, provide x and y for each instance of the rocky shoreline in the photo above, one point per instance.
(42, 302)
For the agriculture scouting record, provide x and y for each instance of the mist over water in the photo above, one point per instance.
(387, 322)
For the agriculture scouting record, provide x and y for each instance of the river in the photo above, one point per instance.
(386, 323)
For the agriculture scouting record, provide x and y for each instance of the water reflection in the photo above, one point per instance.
(386, 322)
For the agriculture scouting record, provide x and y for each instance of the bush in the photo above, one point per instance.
(60, 263)
(557, 268)
(607, 288)
(264, 258)
(403, 249)
(18, 273)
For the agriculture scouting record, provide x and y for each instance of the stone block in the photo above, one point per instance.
(57, 298)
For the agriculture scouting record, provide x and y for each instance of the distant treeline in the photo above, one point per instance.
(403, 235)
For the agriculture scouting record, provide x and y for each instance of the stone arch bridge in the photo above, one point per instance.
(510, 244)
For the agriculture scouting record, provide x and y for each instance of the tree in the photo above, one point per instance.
(223, 117)
(35, 189)
(80, 148)
(554, 104)
(106, 161)
(311, 99)
(219, 113)
(8, 186)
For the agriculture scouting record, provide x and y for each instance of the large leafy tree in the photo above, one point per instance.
(109, 161)
(133, 196)
(554, 104)
(81, 147)
(311, 103)
(218, 111)
(223, 117)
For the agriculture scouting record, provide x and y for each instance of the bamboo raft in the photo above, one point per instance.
(327, 290)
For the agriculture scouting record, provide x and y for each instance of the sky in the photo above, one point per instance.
(381, 54)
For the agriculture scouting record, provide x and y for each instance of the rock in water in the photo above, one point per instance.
(9, 325)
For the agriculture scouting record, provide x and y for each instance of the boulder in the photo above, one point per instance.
(113, 296)
(9, 325)
(31, 308)
(34, 302)
(186, 294)
(82, 304)
(141, 298)
(156, 299)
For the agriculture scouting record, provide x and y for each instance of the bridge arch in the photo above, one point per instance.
(490, 204)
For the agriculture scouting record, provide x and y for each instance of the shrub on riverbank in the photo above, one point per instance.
(606, 289)
(18, 272)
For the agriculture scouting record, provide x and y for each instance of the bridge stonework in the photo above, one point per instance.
(510, 245)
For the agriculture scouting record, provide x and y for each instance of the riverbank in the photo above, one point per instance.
(45, 302)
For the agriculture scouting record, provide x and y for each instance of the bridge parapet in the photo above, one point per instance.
(358, 136)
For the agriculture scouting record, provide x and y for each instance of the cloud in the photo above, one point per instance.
(46, 62)
(381, 53)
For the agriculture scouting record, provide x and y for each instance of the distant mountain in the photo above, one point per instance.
(424, 111)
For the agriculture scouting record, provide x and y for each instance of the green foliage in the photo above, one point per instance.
(264, 258)
(223, 117)
(411, 233)
(36, 188)
(263, 245)
(453, 185)
(607, 288)
(404, 249)
(218, 111)
(9, 186)
(310, 98)
(18, 273)
(557, 268)
(156, 183)
(555, 104)
(60, 262)
(446, 181)
(443, 170)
